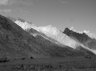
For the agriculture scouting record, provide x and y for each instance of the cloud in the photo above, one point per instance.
(9, 2)
(18, 2)
(92, 35)
(63, 1)
(3, 2)
(21, 2)
(5, 10)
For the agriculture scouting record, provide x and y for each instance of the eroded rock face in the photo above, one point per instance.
(81, 37)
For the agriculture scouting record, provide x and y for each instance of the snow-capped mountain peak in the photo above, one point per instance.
(51, 32)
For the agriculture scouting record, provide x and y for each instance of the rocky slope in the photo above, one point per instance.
(16, 43)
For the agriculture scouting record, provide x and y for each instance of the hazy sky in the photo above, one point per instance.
(81, 14)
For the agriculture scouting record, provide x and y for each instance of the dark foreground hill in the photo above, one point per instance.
(19, 50)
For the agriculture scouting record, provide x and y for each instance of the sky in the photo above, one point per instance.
(80, 14)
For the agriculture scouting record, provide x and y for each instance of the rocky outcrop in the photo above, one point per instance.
(81, 37)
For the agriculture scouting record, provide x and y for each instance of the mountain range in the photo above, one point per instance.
(21, 39)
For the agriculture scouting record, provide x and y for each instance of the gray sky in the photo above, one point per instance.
(80, 14)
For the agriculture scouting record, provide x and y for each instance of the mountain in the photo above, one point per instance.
(81, 37)
(53, 34)
(18, 43)
(49, 31)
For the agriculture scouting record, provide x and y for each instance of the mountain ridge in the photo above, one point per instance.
(51, 32)
(16, 43)
(46, 31)
(81, 37)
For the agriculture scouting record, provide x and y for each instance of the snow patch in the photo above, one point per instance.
(23, 25)
(54, 33)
